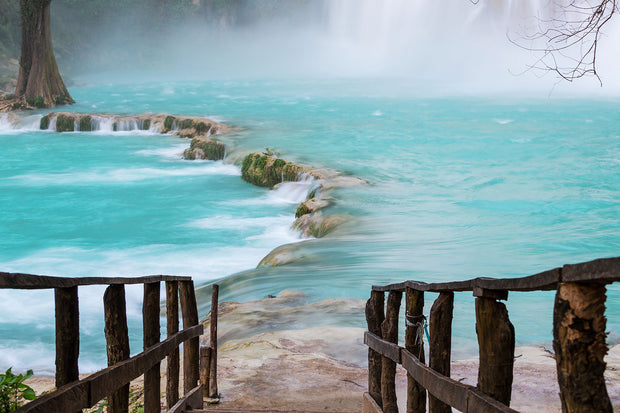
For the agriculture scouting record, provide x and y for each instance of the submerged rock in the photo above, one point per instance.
(284, 254)
(311, 205)
(316, 225)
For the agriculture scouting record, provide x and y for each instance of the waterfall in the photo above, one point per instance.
(447, 39)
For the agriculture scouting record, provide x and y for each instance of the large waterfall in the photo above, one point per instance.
(451, 39)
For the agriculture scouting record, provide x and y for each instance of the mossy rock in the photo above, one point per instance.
(317, 226)
(65, 123)
(86, 124)
(201, 127)
(205, 149)
(45, 122)
(145, 124)
(267, 171)
(168, 124)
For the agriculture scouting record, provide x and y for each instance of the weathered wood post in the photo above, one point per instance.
(374, 317)
(389, 332)
(579, 344)
(205, 369)
(117, 341)
(151, 334)
(172, 327)
(191, 351)
(414, 342)
(496, 341)
(213, 392)
(440, 345)
(67, 335)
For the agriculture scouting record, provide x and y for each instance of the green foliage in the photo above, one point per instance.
(100, 407)
(212, 150)
(145, 124)
(279, 163)
(262, 170)
(13, 390)
(45, 122)
(271, 152)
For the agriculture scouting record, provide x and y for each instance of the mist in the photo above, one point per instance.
(453, 46)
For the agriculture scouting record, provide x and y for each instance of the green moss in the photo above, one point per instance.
(45, 122)
(65, 123)
(201, 127)
(145, 124)
(212, 150)
(186, 123)
(168, 122)
(86, 124)
(302, 209)
(39, 102)
(115, 126)
(267, 171)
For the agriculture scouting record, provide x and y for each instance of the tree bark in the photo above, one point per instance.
(580, 348)
(440, 345)
(375, 314)
(389, 332)
(39, 80)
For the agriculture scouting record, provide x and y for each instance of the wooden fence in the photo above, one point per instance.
(73, 394)
(578, 340)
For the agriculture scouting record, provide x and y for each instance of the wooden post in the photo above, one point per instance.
(191, 352)
(374, 317)
(205, 369)
(441, 343)
(579, 344)
(67, 335)
(213, 392)
(496, 341)
(414, 342)
(389, 332)
(151, 334)
(172, 327)
(117, 341)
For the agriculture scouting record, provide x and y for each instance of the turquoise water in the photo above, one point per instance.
(459, 187)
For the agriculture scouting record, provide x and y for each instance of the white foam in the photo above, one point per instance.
(230, 222)
(173, 152)
(292, 192)
(104, 175)
(504, 121)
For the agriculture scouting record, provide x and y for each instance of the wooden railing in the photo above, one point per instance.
(73, 394)
(578, 340)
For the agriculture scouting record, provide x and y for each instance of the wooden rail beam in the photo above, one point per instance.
(389, 332)
(414, 342)
(375, 314)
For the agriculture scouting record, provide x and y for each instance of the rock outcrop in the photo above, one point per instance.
(205, 148)
(185, 127)
(267, 171)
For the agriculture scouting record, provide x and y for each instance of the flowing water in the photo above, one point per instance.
(460, 185)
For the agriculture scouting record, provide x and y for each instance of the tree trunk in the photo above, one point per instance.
(39, 80)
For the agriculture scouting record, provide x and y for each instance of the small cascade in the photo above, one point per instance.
(294, 192)
(5, 124)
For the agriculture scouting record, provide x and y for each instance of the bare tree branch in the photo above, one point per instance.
(568, 41)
